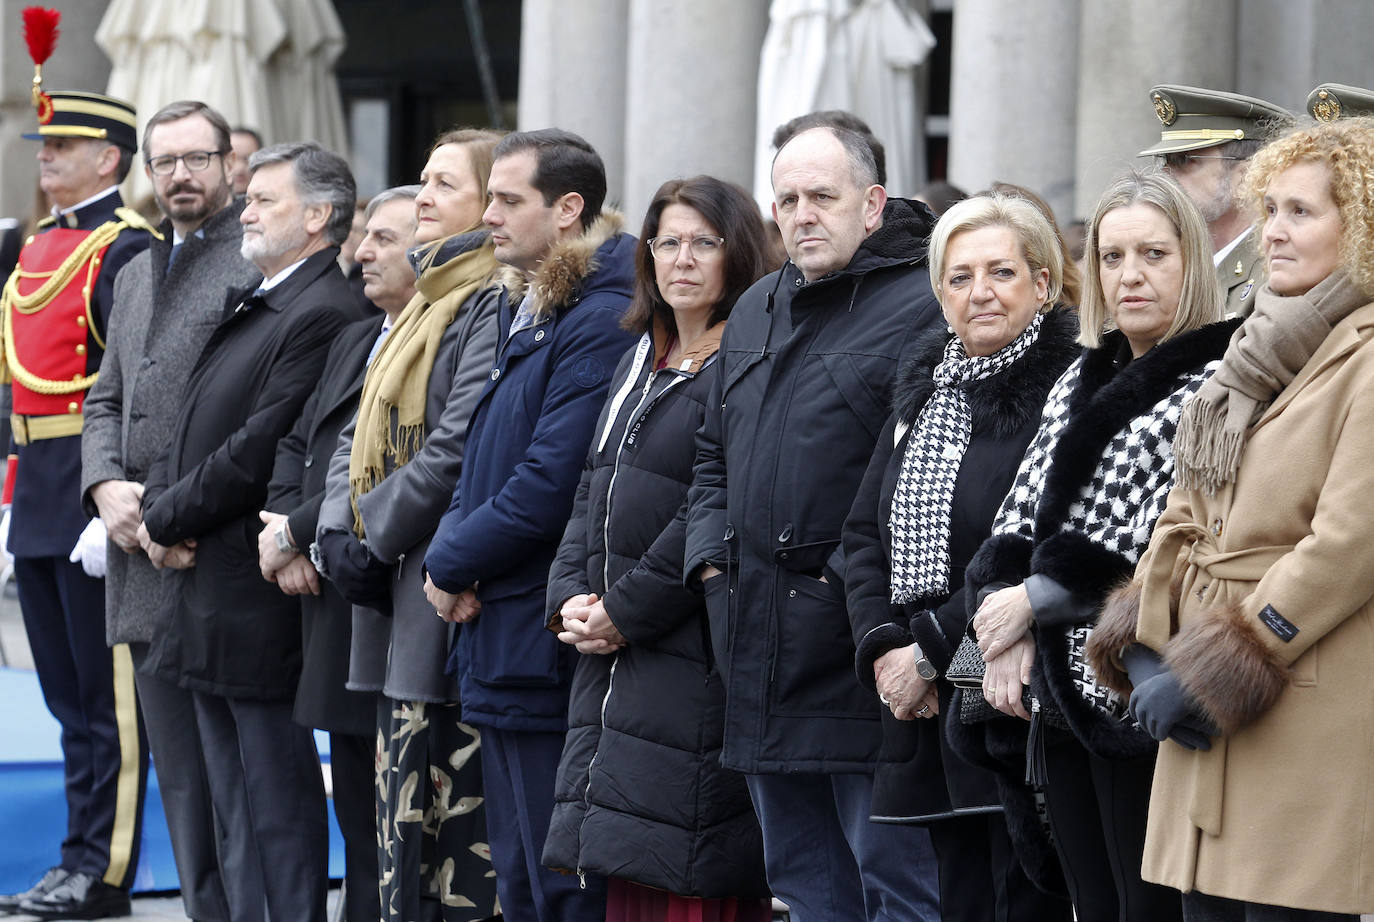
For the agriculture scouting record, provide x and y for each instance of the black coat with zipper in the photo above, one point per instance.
(799, 397)
(640, 792)
(918, 777)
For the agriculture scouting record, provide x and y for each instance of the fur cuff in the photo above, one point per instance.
(1114, 632)
(1224, 666)
(874, 644)
(1002, 558)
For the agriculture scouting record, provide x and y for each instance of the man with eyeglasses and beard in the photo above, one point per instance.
(168, 300)
(1207, 141)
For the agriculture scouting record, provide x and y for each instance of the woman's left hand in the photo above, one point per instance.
(589, 628)
(1002, 619)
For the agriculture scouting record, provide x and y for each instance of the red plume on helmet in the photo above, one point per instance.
(40, 34)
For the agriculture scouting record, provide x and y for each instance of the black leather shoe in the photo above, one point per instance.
(9, 902)
(80, 896)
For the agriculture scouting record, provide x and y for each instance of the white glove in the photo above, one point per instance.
(5, 536)
(90, 549)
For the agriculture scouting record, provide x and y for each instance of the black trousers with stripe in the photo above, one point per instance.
(89, 688)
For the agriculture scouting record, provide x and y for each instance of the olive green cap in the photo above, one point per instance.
(1194, 118)
(1331, 101)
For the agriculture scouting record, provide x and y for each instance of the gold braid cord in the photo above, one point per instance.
(12, 300)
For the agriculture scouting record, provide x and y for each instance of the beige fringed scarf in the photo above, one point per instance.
(1265, 354)
(397, 381)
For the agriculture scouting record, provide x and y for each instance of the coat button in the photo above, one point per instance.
(1216, 527)
(81, 321)
(786, 534)
(309, 460)
(791, 593)
(539, 336)
(73, 408)
(729, 532)
(495, 373)
(146, 363)
(80, 348)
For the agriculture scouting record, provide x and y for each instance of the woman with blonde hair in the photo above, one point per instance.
(965, 405)
(389, 483)
(1252, 614)
(1077, 519)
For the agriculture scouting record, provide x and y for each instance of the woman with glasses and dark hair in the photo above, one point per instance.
(641, 796)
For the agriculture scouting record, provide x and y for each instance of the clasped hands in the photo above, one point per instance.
(453, 607)
(1002, 626)
(291, 570)
(901, 688)
(120, 506)
(588, 627)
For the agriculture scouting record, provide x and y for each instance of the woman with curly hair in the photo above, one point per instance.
(1253, 609)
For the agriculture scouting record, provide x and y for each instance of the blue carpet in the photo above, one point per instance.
(33, 811)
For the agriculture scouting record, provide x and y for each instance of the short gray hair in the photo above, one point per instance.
(858, 150)
(323, 178)
(395, 193)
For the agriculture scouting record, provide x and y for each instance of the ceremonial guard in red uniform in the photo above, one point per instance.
(55, 308)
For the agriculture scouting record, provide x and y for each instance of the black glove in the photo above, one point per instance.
(360, 578)
(1160, 705)
(1142, 663)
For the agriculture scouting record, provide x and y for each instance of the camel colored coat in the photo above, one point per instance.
(1275, 639)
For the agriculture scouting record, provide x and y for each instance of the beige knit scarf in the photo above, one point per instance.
(1265, 354)
(391, 412)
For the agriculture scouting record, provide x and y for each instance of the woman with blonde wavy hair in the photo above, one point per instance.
(1252, 613)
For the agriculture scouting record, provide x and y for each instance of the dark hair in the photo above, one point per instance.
(1072, 290)
(322, 176)
(835, 118)
(732, 213)
(940, 195)
(564, 163)
(185, 108)
(126, 163)
(252, 133)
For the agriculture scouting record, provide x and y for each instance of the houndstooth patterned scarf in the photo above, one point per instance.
(919, 520)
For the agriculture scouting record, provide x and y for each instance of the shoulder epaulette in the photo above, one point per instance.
(135, 220)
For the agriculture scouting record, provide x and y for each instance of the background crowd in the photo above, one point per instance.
(891, 564)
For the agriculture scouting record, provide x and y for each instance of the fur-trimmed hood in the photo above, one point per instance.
(560, 277)
(1005, 402)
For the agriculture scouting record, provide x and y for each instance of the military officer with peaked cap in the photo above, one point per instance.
(1330, 101)
(55, 309)
(1206, 141)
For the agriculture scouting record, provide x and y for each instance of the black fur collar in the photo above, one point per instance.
(1109, 396)
(1004, 403)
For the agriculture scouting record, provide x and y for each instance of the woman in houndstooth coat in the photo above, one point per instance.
(1078, 516)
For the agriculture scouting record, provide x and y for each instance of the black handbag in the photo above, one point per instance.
(965, 673)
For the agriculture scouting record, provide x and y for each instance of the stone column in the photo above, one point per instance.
(1127, 46)
(572, 74)
(1012, 96)
(77, 64)
(1287, 47)
(691, 99)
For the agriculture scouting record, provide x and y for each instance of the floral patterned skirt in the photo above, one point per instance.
(432, 852)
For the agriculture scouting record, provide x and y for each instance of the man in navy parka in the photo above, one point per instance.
(568, 278)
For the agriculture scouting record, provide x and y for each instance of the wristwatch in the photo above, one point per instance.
(284, 540)
(924, 667)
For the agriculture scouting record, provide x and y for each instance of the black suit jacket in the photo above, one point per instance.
(297, 489)
(233, 633)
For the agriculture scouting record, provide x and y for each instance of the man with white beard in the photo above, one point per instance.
(234, 639)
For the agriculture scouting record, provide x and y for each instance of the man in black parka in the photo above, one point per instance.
(235, 639)
(801, 392)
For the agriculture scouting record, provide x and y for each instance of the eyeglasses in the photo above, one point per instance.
(703, 248)
(195, 161)
(1182, 162)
